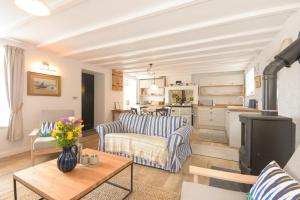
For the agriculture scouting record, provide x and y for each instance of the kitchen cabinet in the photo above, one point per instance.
(210, 116)
(203, 117)
(233, 126)
(218, 117)
(145, 83)
(146, 95)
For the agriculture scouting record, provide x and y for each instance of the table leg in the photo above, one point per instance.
(131, 183)
(15, 190)
(131, 178)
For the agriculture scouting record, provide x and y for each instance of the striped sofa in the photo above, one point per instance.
(172, 131)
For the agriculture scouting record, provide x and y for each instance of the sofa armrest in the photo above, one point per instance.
(111, 127)
(103, 129)
(34, 132)
(179, 136)
(227, 176)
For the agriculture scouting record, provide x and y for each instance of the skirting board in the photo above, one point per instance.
(23, 149)
(226, 153)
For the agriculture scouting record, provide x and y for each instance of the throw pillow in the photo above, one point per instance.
(46, 129)
(274, 183)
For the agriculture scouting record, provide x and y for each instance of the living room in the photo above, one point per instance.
(188, 76)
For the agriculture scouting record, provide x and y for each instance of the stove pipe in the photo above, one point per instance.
(284, 59)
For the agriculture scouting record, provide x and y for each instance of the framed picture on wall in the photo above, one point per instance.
(257, 81)
(43, 84)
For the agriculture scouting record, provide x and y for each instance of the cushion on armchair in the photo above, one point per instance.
(274, 183)
(47, 128)
(44, 143)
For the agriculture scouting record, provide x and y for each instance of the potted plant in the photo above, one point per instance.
(66, 132)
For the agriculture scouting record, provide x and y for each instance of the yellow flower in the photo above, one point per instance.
(53, 134)
(70, 135)
(78, 129)
(59, 124)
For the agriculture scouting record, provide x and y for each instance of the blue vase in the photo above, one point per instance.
(67, 160)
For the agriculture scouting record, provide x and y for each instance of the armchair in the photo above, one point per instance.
(191, 191)
(46, 145)
(194, 190)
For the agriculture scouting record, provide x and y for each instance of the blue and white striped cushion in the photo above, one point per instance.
(46, 129)
(132, 123)
(163, 126)
(274, 183)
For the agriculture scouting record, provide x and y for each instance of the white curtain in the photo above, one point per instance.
(14, 71)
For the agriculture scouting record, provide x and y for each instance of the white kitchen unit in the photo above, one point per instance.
(146, 95)
(182, 111)
(210, 117)
(233, 127)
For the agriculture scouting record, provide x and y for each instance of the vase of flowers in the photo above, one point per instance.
(66, 132)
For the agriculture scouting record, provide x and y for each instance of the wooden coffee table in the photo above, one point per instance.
(48, 182)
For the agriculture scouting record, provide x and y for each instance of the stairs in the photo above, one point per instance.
(213, 143)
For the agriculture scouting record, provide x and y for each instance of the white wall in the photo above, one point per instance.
(70, 72)
(183, 78)
(288, 78)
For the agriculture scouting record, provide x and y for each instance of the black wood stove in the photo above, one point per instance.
(267, 136)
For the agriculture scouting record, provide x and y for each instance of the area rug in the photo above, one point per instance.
(106, 191)
(228, 185)
(210, 135)
(222, 152)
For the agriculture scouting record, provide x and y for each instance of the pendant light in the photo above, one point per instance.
(34, 7)
(153, 87)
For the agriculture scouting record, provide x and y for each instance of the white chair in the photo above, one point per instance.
(191, 191)
(46, 145)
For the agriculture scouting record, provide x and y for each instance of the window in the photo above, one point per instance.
(250, 83)
(4, 110)
(129, 93)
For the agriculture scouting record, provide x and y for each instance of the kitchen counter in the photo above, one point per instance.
(217, 106)
(241, 109)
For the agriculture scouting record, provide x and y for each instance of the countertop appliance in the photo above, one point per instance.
(252, 103)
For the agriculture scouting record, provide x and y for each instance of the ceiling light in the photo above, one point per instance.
(153, 87)
(34, 7)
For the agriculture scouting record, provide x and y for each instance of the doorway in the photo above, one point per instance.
(87, 100)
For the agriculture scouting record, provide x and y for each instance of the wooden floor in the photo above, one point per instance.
(160, 178)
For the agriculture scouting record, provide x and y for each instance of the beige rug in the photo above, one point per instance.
(222, 152)
(141, 191)
(210, 135)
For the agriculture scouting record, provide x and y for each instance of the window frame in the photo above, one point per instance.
(250, 82)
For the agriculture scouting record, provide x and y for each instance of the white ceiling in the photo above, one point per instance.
(177, 36)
